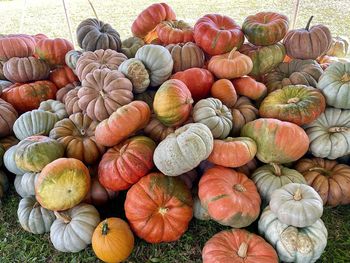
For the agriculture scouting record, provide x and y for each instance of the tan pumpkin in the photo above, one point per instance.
(8, 116)
(71, 101)
(136, 72)
(62, 93)
(156, 130)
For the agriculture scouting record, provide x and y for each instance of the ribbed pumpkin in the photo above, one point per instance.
(249, 87)
(62, 92)
(102, 92)
(16, 46)
(175, 31)
(294, 103)
(131, 45)
(54, 106)
(77, 135)
(136, 72)
(9, 161)
(156, 130)
(224, 90)
(242, 112)
(8, 116)
(159, 208)
(339, 47)
(71, 100)
(230, 197)
(25, 184)
(25, 69)
(172, 103)
(62, 76)
(71, 58)
(122, 123)
(277, 141)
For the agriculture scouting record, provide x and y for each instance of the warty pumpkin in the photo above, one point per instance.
(136, 72)
(62, 76)
(131, 45)
(224, 90)
(174, 31)
(249, 87)
(8, 116)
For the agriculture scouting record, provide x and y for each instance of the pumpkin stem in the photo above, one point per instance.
(293, 100)
(239, 188)
(297, 196)
(242, 250)
(105, 228)
(232, 52)
(189, 101)
(163, 210)
(36, 205)
(277, 168)
(66, 219)
(103, 95)
(338, 129)
(345, 77)
(320, 170)
(82, 131)
(308, 23)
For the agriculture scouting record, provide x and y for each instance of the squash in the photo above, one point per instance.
(308, 43)
(73, 229)
(339, 47)
(94, 34)
(230, 197)
(233, 152)
(217, 34)
(158, 62)
(216, 116)
(136, 72)
(270, 177)
(122, 123)
(4, 184)
(199, 212)
(265, 28)
(299, 245)
(175, 31)
(34, 218)
(25, 184)
(8, 116)
(98, 195)
(16, 46)
(156, 130)
(249, 87)
(71, 58)
(330, 179)
(131, 45)
(298, 104)
(158, 208)
(230, 65)
(112, 240)
(238, 245)
(77, 135)
(102, 92)
(9, 161)
(277, 141)
(35, 122)
(184, 149)
(100, 59)
(54, 106)
(124, 164)
(62, 76)
(62, 92)
(329, 134)
(335, 85)
(71, 100)
(224, 90)
(25, 69)
(172, 103)
(186, 55)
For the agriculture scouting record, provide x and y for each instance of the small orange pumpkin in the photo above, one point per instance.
(224, 90)
(249, 87)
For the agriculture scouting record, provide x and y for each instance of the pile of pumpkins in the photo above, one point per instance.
(189, 121)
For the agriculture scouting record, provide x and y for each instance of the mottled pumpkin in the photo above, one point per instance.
(242, 112)
(136, 72)
(54, 106)
(8, 116)
(131, 45)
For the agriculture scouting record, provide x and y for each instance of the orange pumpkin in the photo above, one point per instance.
(63, 76)
(233, 152)
(16, 46)
(122, 123)
(112, 240)
(224, 90)
(173, 32)
(249, 87)
(230, 65)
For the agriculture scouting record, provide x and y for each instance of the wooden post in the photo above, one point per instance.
(68, 22)
(93, 9)
(295, 12)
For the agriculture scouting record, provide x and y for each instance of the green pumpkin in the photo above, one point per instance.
(54, 106)
(35, 122)
(131, 45)
(35, 152)
(25, 184)
(4, 184)
(9, 161)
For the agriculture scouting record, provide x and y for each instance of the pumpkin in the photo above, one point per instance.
(296, 204)
(230, 65)
(136, 72)
(224, 90)
(71, 58)
(233, 152)
(238, 245)
(124, 164)
(186, 55)
(131, 45)
(16, 46)
(184, 149)
(175, 31)
(9, 161)
(25, 69)
(339, 47)
(25, 184)
(158, 208)
(242, 112)
(248, 168)
(62, 76)
(270, 177)
(34, 218)
(8, 116)
(294, 103)
(330, 134)
(102, 92)
(156, 130)
(293, 244)
(199, 212)
(54, 106)
(335, 84)
(26, 97)
(8, 141)
(2, 77)
(217, 34)
(53, 51)
(93, 34)
(265, 28)
(149, 18)
(4, 84)
(35, 122)
(73, 229)
(62, 92)
(4, 184)
(71, 100)
(230, 197)
(98, 194)
(62, 184)
(122, 123)
(330, 179)
(249, 87)
(146, 96)
(35, 152)
(77, 135)
(198, 81)
(277, 141)
(216, 116)
(189, 178)
(295, 72)
(158, 62)
(308, 43)
(112, 240)
(99, 59)
(172, 103)
(265, 58)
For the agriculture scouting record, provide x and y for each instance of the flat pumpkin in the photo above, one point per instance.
(71, 100)
(174, 31)
(8, 116)
(61, 94)
(16, 46)
(25, 184)
(54, 106)
(9, 161)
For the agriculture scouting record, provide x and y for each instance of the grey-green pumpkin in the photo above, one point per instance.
(25, 184)
(9, 161)
(54, 106)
